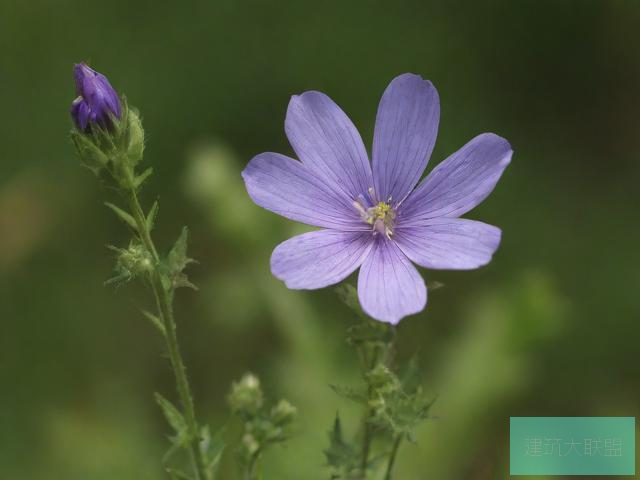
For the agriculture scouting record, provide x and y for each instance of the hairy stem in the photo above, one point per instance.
(368, 431)
(164, 303)
(392, 457)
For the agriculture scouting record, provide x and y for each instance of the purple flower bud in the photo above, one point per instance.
(97, 100)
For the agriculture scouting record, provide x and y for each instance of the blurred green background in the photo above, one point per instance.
(549, 328)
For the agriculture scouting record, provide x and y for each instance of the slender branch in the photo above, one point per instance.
(392, 457)
(165, 309)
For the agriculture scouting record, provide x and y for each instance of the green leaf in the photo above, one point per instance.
(212, 448)
(341, 456)
(177, 422)
(350, 393)
(151, 216)
(401, 413)
(139, 180)
(175, 263)
(155, 321)
(177, 258)
(122, 215)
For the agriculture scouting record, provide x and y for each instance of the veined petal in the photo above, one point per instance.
(318, 259)
(389, 286)
(460, 182)
(405, 133)
(286, 187)
(327, 142)
(449, 243)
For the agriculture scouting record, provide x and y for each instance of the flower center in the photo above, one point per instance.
(381, 216)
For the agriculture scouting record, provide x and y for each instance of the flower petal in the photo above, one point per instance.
(449, 243)
(321, 258)
(460, 182)
(286, 187)
(389, 286)
(327, 142)
(406, 130)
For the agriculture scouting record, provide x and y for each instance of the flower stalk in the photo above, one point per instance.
(392, 457)
(164, 303)
(109, 139)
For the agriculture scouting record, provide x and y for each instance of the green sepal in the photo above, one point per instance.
(131, 262)
(90, 154)
(123, 274)
(151, 216)
(122, 215)
(134, 137)
(117, 149)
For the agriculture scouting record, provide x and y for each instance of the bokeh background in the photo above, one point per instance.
(550, 328)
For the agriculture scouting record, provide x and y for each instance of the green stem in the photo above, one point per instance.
(165, 309)
(250, 471)
(378, 354)
(368, 433)
(392, 457)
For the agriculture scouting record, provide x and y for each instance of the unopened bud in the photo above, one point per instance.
(97, 100)
(283, 413)
(246, 395)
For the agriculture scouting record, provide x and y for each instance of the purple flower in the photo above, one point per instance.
(373, 215)
(97, 100)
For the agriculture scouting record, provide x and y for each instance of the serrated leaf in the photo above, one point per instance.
(175, 263)
(341, 455)
(176, 420)
(350, 393)
(122, 215)
(177, 258)
(151, 216)
(139, 180)
(155, 321)
(401, 413)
